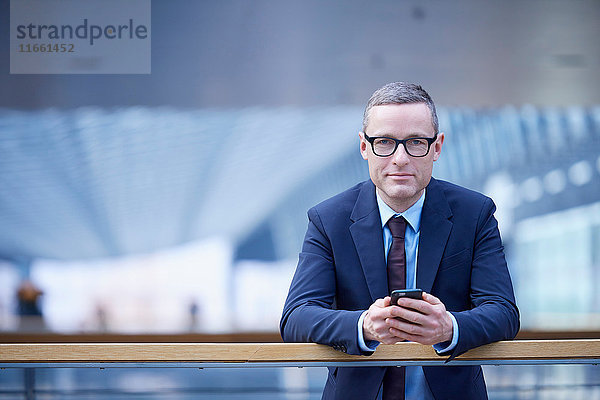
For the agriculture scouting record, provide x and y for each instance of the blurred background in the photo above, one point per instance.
(175, 202)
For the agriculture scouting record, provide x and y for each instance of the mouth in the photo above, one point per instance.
(399, 175)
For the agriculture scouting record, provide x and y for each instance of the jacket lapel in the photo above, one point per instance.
(435, 230)
(367, 235)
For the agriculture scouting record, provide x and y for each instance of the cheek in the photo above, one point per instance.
(373, 171)
(376, 167)
(424, 171)
(372, 161)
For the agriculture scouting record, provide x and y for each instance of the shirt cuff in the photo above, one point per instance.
(445, 347)
(372, 345)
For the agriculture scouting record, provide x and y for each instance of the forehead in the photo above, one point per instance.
(400, 119)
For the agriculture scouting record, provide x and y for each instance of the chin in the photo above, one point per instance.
(400, 192)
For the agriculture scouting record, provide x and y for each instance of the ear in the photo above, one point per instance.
(363, 145)
(437, 146)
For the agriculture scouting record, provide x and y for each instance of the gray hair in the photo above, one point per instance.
(400, 93)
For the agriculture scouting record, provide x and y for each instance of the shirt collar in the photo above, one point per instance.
(412, 215)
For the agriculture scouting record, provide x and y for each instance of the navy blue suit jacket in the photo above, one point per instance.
(342, 271)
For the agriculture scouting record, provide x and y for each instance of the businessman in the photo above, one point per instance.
(402, 229)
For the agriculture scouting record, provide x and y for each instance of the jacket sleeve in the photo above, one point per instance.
(309, 313)
(494, 315)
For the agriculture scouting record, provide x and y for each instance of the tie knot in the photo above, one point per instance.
(397, 226)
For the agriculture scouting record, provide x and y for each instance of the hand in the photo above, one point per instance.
(375, 325)
(423, 321)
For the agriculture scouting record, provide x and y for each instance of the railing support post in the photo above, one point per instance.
(29, 380)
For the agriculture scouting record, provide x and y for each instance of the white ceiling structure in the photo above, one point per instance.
(95, 183)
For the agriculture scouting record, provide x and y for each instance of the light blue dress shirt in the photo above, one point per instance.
(416, 386)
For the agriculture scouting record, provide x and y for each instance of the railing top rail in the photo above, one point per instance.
(293, 354)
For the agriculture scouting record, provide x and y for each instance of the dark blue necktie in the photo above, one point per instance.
(393, 381)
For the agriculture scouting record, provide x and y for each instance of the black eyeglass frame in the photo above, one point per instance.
(371, 139)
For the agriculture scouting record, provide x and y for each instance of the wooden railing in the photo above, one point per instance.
(583, 351)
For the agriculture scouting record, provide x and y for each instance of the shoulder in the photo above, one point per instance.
(453, 190)
(461, 198)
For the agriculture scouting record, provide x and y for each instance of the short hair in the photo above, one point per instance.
(400, 93)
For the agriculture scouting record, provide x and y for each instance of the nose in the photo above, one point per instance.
(400, 156)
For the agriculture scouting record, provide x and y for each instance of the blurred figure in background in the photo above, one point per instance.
(28, 308)
(194, 311)
(101, 317)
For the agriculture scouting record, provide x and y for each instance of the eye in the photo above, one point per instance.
(416, 142)
(384, 141)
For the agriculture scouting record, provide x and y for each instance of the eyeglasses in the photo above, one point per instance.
(415, 147)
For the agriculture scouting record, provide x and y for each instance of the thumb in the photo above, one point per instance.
(431, 299)
(382, 302)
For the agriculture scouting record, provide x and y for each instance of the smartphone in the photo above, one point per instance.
(410, 293)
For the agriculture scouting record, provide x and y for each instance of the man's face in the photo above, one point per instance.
(400, 179)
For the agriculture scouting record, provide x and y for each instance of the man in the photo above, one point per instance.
(402, 228)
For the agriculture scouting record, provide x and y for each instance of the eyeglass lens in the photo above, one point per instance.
(415, 147)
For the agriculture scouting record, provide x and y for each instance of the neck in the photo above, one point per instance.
(399, 205)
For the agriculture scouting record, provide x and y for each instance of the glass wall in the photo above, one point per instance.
(543, 382)
(557, 270)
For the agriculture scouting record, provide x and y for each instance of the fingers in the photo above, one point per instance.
(429, 305)
(405, 326)
(413, 332)
(423, 321)
(403, 336)
(374, 325)
(411, 305)
(408, 315)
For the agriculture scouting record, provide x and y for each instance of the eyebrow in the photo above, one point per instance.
(409, 136)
